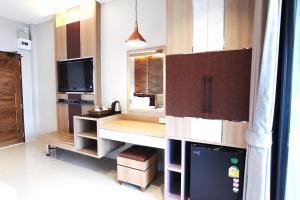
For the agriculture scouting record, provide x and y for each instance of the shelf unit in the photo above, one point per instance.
(87, 146)
(175, 171)
(87, 140)
(91, 134)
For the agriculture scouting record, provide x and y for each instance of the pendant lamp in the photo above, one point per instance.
(136, 39)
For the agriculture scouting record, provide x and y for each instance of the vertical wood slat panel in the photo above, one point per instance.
(238, 31)
(234, 132)
(61, 42)
(62, 117)
(239, 17)
(90, 35)
(179, 26)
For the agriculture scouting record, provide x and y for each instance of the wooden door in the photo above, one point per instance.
(11, 112)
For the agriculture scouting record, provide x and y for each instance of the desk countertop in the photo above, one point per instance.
(137, 127)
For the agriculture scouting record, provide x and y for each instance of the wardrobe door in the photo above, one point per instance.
(185, 75)
(230, 73)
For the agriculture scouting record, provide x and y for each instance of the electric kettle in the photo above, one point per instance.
(116, 107)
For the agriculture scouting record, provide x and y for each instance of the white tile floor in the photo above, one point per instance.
(25, 172)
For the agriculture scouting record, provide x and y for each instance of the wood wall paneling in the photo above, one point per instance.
(86, 108)
(156, 75)
(238, 33)
(88, 35)
(90, 44)
(239, 17)
(140, 75)
(179, 26)
(148, 75)
(73, 40)
(234, 133)
(62, 96)
(63, 117)
(61, 43)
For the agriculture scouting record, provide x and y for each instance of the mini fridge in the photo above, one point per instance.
(216, 173)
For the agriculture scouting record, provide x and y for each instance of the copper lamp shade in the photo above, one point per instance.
(136, 39)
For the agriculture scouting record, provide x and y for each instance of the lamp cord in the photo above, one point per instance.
(135, 11)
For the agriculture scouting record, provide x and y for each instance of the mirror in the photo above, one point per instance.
(146, 81)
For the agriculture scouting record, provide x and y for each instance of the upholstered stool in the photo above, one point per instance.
(137, 165)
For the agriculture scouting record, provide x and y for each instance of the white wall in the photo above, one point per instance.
(38, 75)
(117, 22)
(8, 42)
(45, 77)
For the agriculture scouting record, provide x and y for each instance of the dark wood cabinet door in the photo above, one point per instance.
(230, 73)
(185, 84)
(211, 85)
(11, 112)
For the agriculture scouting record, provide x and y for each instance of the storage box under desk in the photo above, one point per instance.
(137, 172)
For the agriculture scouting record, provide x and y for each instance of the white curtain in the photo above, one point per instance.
(263, 87)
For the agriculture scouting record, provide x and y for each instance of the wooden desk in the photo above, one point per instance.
(124, 129)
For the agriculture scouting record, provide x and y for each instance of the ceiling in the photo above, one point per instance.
(35, 11)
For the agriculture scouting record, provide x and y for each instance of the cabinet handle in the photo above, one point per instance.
(207, 94)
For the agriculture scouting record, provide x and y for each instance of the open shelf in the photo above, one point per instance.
(86, 146)
(173, 196)
(91, 134)
(174, 154)
(89, 150)
(174, 167)
(85, 127)
(174, 186)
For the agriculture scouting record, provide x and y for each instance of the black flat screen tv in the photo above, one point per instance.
(75, 75)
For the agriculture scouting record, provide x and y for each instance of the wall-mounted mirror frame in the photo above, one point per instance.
(156, 109)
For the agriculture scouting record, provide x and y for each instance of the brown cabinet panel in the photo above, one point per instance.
(230, 72)
(211, 85)
(73, 40)
(184, 84)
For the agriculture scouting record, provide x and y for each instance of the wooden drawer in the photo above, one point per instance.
(137, 177)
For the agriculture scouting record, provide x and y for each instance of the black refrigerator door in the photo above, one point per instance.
(216, 173)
